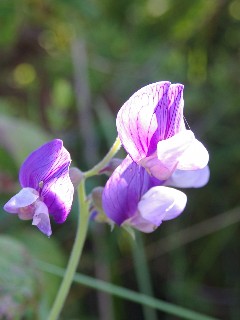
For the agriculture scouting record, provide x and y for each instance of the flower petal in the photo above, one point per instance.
(164, 161)
(155, 167)
(174, 121)
(153, 113)
(189, 178)
(123, 191)
(41, 218)
(22, 199)
(195, 157)
(47, 170)
(58, 195)
(43, 163)
(161, 203)
(182, 151)
(171, 150)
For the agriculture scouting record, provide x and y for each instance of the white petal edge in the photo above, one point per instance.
(195, 157)
(23, 198)
(189, 178)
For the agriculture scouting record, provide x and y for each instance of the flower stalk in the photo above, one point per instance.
(75, 254)
(98, 167)
(82, 227)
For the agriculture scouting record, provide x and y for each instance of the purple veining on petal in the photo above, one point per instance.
(169, 116)
(153, 113)
(152, 130)
(136, 122)
(175, 121)
(123, 191)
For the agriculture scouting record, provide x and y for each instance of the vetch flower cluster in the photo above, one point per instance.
(46, 187)
(161, 153)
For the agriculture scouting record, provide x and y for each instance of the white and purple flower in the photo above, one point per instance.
(151, 128)
(46, 187)
(161, 153)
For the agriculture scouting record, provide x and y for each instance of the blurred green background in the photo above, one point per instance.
(66, 67)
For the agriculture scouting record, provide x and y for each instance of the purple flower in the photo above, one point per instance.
(152, 130)
(46, 187)
(132, 197)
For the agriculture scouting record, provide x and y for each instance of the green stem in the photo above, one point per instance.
(95, 170)
(75, 254)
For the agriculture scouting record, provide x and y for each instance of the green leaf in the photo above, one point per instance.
(20, 281)
(43, 248)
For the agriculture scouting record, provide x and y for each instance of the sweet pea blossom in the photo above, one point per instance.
(46, 187)
(152, 130)
(132, 197)
(162, 153)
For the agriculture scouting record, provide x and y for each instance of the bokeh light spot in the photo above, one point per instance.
(234, 9)
(157, 8)
(24, 74)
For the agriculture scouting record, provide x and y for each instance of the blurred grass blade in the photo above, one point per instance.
(127, 294)
(143, 274)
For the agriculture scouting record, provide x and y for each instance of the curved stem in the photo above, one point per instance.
(95, 170)
(75, 254)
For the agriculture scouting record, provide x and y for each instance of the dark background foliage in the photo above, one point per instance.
(66, 69)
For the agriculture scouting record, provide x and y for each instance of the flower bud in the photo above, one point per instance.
(76, 176)
(96, 208)
(97, 197)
